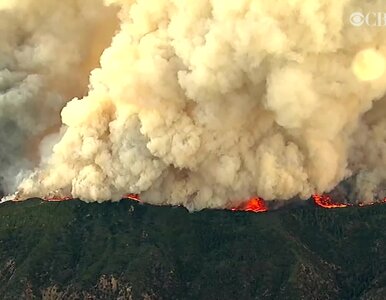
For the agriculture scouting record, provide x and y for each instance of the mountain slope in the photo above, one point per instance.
(126, 250)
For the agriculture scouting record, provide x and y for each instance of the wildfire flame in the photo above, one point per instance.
(326, 201)
(134, 197)
(57, 199)
(253, 205)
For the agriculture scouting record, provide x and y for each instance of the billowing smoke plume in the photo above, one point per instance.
(47, 49)
(206, 103)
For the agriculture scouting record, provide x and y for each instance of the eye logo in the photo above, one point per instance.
(357, 19)
(371, 19)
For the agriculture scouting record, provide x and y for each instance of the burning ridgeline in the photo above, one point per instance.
(255, 204)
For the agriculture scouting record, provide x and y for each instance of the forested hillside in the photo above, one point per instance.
(126, 250)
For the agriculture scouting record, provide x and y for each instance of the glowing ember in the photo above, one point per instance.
(253, 205)
(59, 198)
(372, 203)
(56, 199)
(134, 197)
(326, 201)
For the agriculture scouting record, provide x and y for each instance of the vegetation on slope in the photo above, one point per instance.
(126, 250)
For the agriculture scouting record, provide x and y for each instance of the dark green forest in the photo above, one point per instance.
(127, 250)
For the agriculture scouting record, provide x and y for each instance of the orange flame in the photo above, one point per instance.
(57, 199)
(326, 201)
(134, 197)
(253, 205)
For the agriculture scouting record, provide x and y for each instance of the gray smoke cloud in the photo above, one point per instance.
(207, 103)
(47, 49)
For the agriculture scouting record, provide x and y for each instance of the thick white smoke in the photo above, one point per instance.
(206, 103)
